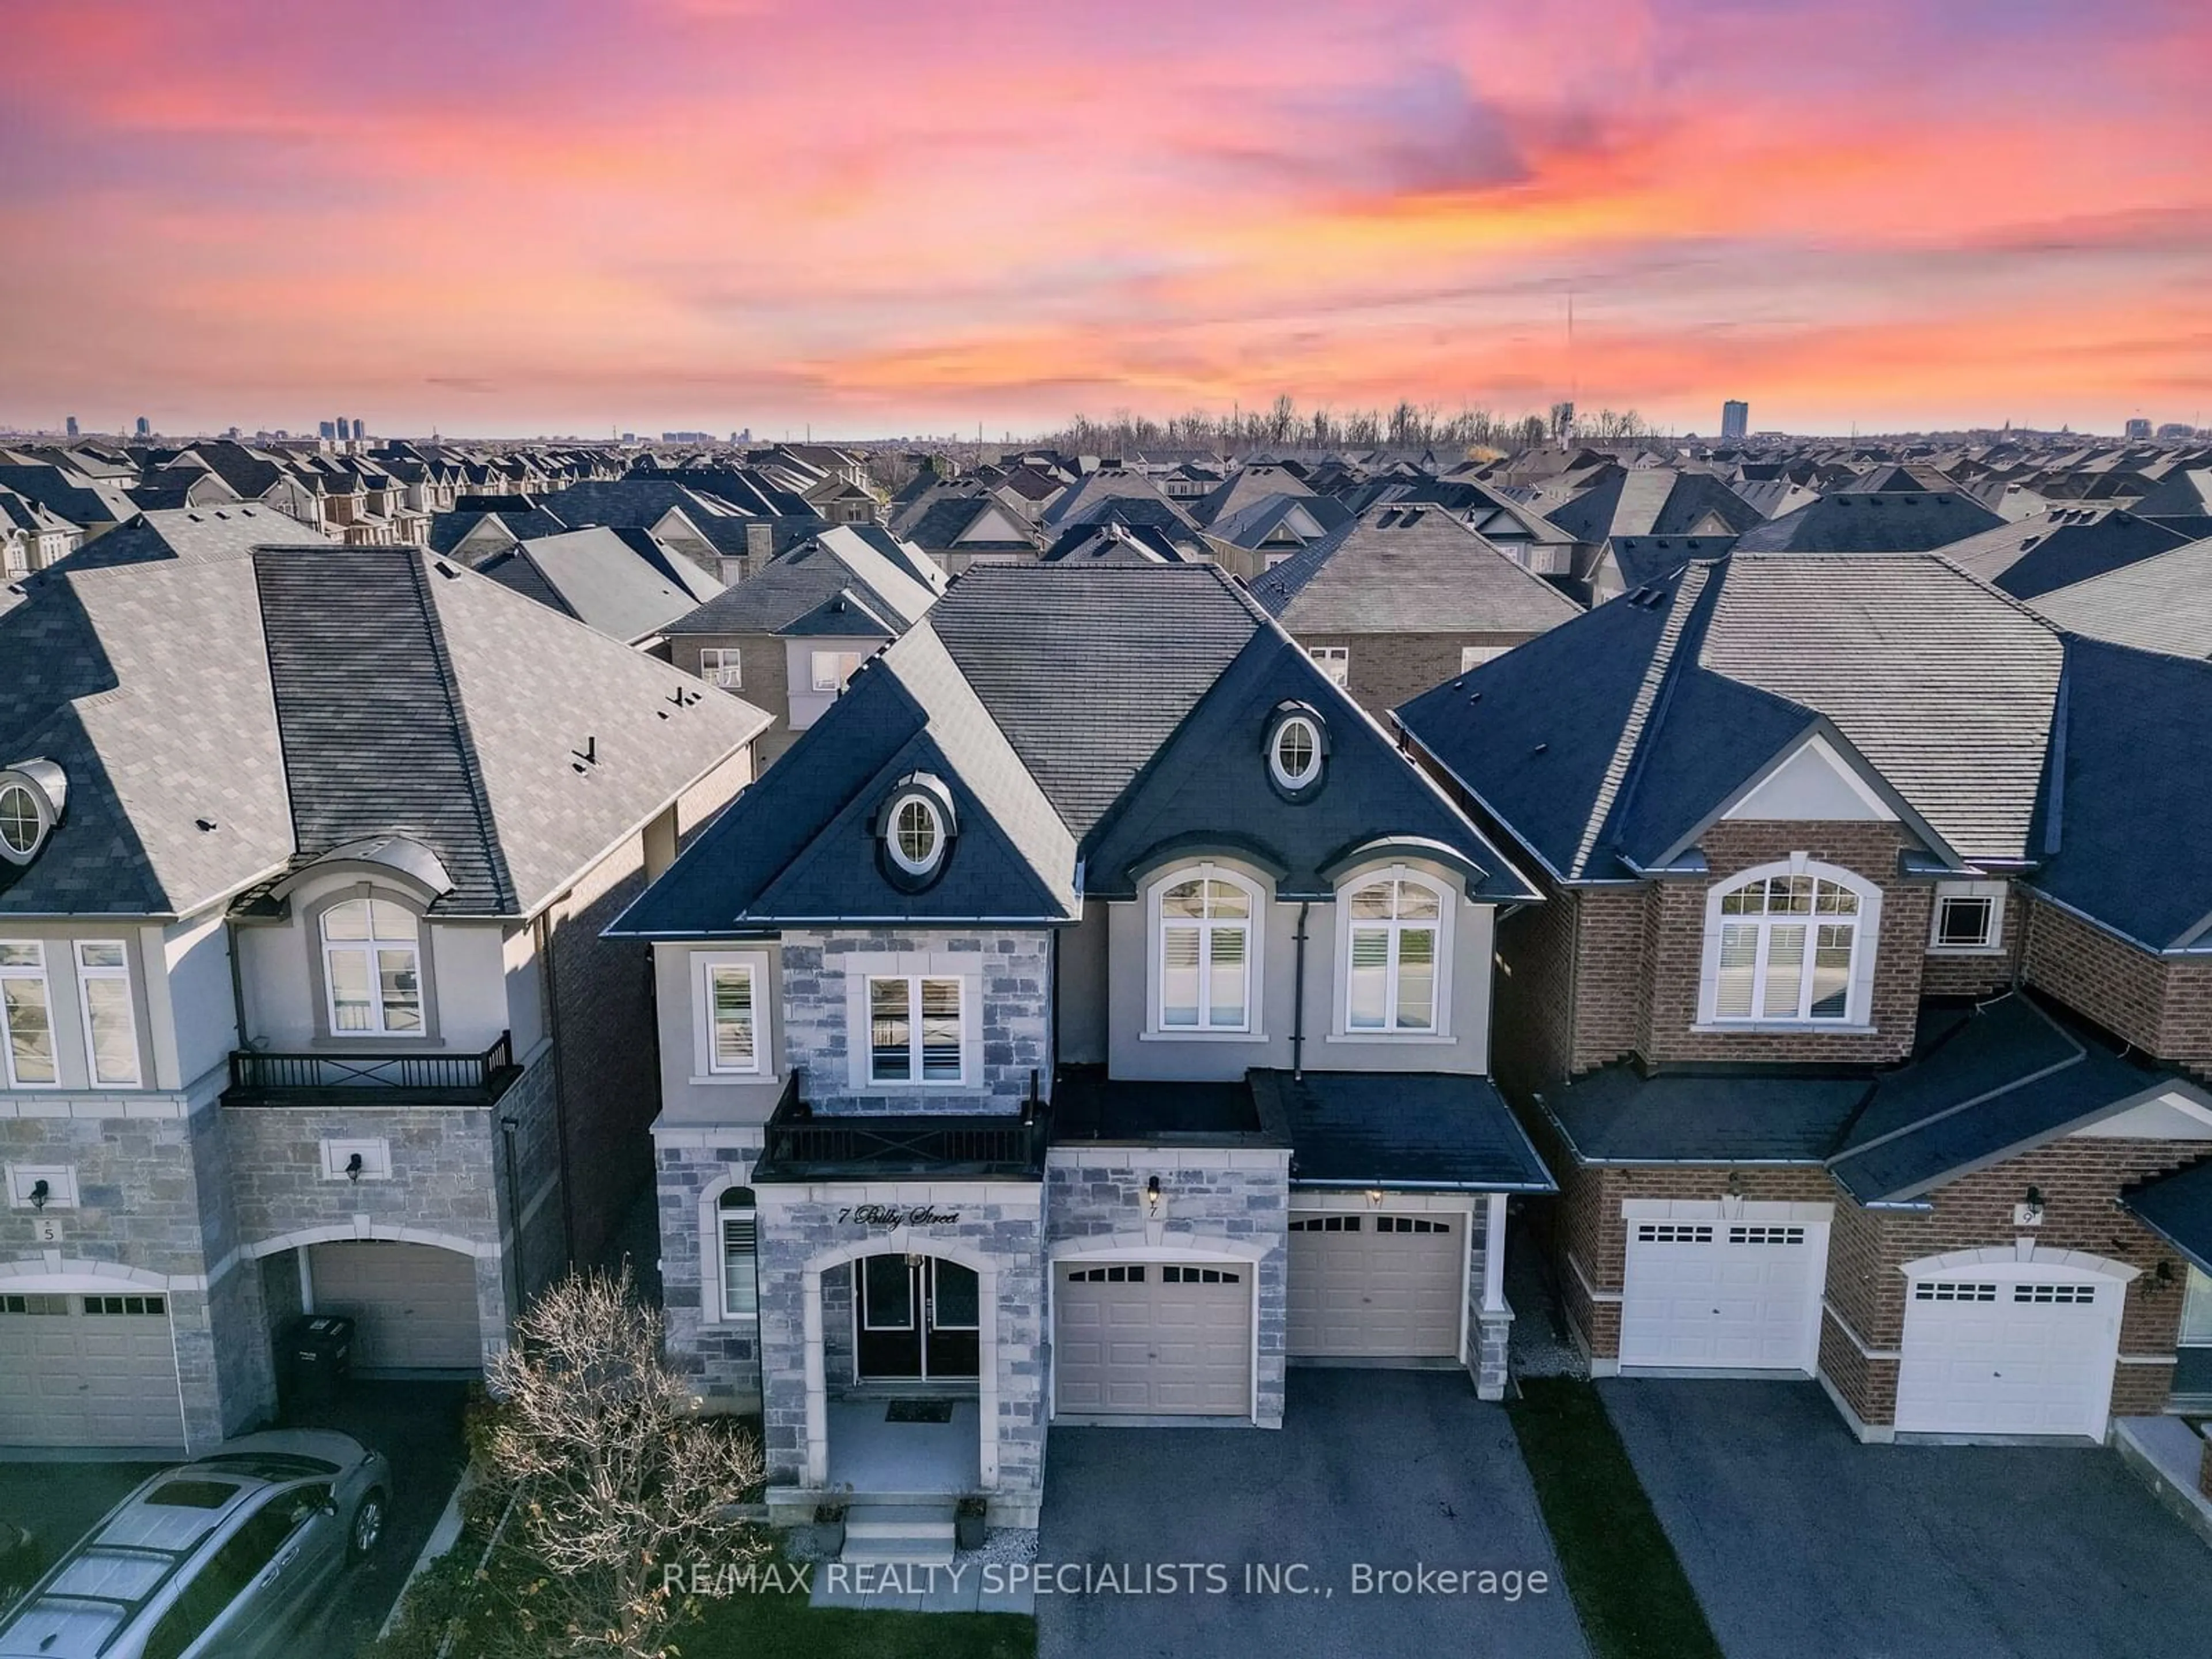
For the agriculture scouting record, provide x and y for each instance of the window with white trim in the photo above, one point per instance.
(1294, 755)
(917, 835)
(1969, 919)
(27, 1015)
(373, 968)
(1205, 955)
(722, 665)
(830, 669)
(103, 994)
(1390, 972)
(1788, 950)
(1474, 656)
(732, 993)
(2197, 1310)
(1334, 661)
(916, 1030)
(738, 1226)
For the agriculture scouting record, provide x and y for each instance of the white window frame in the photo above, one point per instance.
(1472, 657)
(1447, 903)
(1335, 661)
(897, 849)
(843, 665)
(372, 946)
(1866, 949)
(723, 665)
(1994, 892)
(120, 973)
(713, 1293)
(1156, 958)
(35, 971)
(1282, 774)
(704, 966)
(916, 1061)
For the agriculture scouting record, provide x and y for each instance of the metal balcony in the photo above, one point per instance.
(800, 1146)
(365, 1077)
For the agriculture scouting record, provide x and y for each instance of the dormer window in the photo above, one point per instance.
(1298, 750)
(31, 798)
(372, 967)
(917, 835)
(916, 826)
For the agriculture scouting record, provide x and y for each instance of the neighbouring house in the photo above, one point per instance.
(1870, 1010)
(2029, 557)
(1404, 596)
(1087, 1018)
(305, 856)
(788, 638)
(2163, 603)
(626, 583)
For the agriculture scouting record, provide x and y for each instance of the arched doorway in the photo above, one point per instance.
(916, 1318)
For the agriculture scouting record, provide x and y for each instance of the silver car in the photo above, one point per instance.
(219, 1557)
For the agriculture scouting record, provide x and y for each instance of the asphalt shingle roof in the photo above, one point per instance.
(2163, 603)
(2055, 550)
(1873, 521)
(1402, 569)
(1432, 1129)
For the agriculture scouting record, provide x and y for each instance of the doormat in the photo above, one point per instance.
(919, 1411)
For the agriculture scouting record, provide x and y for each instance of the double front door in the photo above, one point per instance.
(918, 1316)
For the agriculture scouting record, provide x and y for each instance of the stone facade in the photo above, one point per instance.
(809, 1237)
(1212, 1199)
(721, 1356)
(1006, 975)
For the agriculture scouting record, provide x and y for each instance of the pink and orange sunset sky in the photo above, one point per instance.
(570, 216)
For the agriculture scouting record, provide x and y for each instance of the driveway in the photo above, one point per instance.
(1799, 1540)
(415, 1425)
(1392, 1469)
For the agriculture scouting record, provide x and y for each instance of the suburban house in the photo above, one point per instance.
(1088, 1018)
(789, 638)
(305, 856)
(1867, 1019)
(1404, 596)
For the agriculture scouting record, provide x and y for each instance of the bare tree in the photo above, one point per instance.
(616, 1477)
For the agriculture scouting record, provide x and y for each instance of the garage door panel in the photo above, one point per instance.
(1145, 1344)
(1362, 1288)
(73, 1377)
(415, 1305)
(1722, 1296)
(1993, 1358)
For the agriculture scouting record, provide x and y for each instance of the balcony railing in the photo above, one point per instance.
(323, 1076)
(801, 1146)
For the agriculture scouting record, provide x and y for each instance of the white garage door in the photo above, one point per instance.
(1723, 1295)
(1153, 1339)
(87, 1370)
(416, 1304)
(1373, 1285)
(1986, 1356)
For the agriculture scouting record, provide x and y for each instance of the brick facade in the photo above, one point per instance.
(765, 666)
(2159, 1005)
(1387, 670)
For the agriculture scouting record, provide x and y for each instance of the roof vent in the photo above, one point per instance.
(1538, 750)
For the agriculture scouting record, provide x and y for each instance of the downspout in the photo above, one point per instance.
(543, 927)
(1298, 997)
(507, 1126)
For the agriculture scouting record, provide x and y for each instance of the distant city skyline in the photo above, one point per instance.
(698, 214)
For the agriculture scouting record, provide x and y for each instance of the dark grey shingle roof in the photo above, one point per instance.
(1432, 1129)
(1614, 1115)
(2178, 1209)
(1402, 569)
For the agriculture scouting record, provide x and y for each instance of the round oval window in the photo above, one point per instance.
(20, 821)
(1296, 756)
(917, 835)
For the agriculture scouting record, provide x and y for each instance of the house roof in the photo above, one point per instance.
(834, 583)
(222, 722)
(2030, 558)
(1986, 1082)
(1408, 569)
(2162, 603)
(1653, 501)
(1084, 720)
(2178, 1207)
(1594, 742)
(1873, 521)
(602, 579)
(1403, 1130)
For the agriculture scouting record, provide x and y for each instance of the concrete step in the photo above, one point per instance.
(921, 1534)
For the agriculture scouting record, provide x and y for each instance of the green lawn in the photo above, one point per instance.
(1634, 1599)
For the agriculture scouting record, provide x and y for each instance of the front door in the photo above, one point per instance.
(918, 1316)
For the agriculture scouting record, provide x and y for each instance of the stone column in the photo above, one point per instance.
(1492, 1317)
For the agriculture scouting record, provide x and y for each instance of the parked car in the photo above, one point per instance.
(219, 1557)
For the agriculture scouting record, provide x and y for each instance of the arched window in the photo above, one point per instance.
(1786, 947)
(373, 968)
(740, 1237)
(1204, 954)
(1395, 944)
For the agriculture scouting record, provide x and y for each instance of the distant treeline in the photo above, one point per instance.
(1282, 425)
